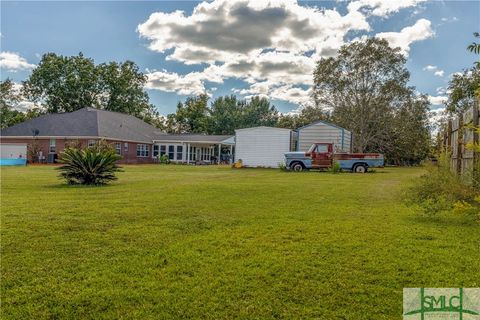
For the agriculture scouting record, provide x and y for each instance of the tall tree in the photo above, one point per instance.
(121, 86)
(66, 84)
(462, 89)
(363, 86)
(225, 115)
(258, 112)
(192, 116)
(9, 98)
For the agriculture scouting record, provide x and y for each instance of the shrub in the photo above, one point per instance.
(282, 166)
(441, 190)
(164, 159)
(335, 168)
(90, 166)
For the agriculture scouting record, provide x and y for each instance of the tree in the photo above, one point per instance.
(307, 115)
(8, 101)
(225, 115)
(475, 47)
(364, 86)
(258, 112)
(462, 89)
(192, 116)
(66, 84)
(121, 86)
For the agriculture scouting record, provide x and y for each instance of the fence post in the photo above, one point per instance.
(476, 155)
(459, 143)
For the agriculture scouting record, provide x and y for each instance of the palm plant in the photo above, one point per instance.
(91, 166)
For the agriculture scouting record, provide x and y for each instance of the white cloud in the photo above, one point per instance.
(271, 45)
(421, 30)
(437, 100)
(189, 84)
(430, 68)
(13, 62)
(383, 8)
(436, 71)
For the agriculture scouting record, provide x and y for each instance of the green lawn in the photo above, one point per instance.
(171, 242)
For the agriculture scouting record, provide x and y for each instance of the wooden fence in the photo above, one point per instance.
(459, 133)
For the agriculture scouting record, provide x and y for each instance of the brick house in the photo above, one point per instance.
(131, 137)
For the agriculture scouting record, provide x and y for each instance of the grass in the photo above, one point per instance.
(178, 242)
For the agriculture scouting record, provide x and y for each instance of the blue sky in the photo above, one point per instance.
(238, 47)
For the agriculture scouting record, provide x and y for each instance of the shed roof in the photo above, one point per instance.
(321, 121)
(262, 127)
(86, 122)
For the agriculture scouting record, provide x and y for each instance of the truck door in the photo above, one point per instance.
(322, 156)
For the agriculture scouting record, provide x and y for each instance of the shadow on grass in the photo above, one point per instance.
(445, 220)
(80, 186)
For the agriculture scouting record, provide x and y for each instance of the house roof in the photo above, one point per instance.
(86, 122)
(194, 138)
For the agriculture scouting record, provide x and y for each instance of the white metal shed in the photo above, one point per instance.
(262, 146)
(322, 131)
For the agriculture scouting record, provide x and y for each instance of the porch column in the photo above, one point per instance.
(231, 154)
(219, 152)
(188, 153)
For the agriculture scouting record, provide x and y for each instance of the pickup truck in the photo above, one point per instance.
(321, 156)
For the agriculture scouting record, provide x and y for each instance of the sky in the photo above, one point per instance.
(246, 48)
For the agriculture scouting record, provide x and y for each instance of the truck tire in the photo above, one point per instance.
(297, 166)
(360, 168)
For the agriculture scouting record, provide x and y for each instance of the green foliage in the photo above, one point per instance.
(366, 87)
(335, 168)
(10, 100)
(307, 115)
(439, 189)
(462, 89)
(282, 166)
(66, 84)
(90, 166)
(475, 48)
(164, 159)
(224, 116)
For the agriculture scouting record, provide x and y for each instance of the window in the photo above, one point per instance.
(171, 152)
(125, 147)
(53, 144)
(91, 143)
(155, 150)
(142, 150)
(118, 147)
(179, 152)
(322, 148)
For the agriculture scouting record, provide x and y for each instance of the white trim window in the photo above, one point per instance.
(125, 147)
(171, 152)
(118, 147)
(179, 153)
(155, 150)
(142, 150)
(53, 146)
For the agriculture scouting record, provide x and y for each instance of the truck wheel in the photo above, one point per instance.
(297, 167)
(360, 168)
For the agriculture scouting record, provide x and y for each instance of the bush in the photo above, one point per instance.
(164, 159)
(90, 166)
(282, 166)
(440, 190)
(335, 168)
